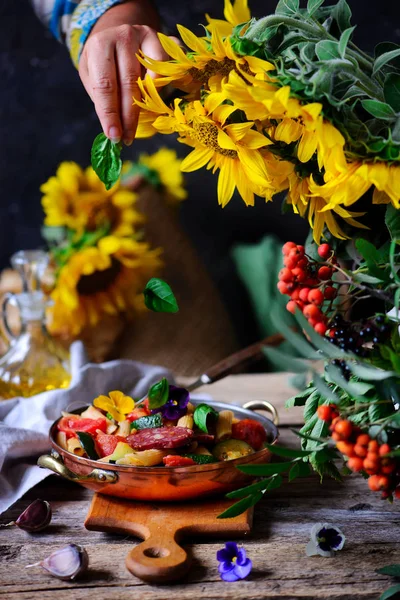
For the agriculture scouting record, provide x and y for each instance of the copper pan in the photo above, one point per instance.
(167, 484)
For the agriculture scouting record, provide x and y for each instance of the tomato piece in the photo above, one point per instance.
(251, 432)
(138, 413)
(106, 444)
(70, 425)
(177, 461)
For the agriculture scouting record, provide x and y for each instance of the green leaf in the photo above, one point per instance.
(263, 485)
(327, 50)
(265, 470)
(313, 6)
(389, 593)
(87, 443)
(344, 40)
(158, 394)
(368, 251)
(201, 414)
(391, 90)
(284, 362)
(392, 220)
(159, 297)
(298, 381)
(310, 407)
(384, 59)
(287, 452)
(370, 373)
(299, 469)
(148, 422)
(106, 160)
(301, 398)
(239, 507)
(342, 14)
(319, 431)
(329, 469)
(287, 7)
(378, 109)
(364, 278)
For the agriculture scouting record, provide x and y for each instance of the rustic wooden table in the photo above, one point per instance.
(282, 524)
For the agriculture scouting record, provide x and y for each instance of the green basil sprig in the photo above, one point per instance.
(87, 443)
(158, 394)
(106, 160)
(201, 414)
(159, 297)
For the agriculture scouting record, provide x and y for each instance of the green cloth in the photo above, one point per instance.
(258, 266)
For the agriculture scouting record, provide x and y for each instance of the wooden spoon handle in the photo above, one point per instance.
(158, 559)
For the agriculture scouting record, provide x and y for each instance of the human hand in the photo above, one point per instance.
(109, 69)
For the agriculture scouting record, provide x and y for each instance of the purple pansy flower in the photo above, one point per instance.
(326, 539)
(176, 405)
(233, 563)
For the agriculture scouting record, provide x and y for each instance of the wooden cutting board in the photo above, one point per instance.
(160, 558)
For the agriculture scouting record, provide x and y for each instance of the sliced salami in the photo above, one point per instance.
(159, 438)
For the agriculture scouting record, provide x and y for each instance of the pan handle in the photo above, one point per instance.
(263, 405)
(55, 464)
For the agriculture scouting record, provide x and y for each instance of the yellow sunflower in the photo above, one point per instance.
(210, 59)
(105, 279)
(163, 170)
(235, 14)
(316, 209)
(77, 199)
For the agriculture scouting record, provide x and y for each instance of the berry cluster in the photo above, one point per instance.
(364, 453)
(308, 283)
(352, 337)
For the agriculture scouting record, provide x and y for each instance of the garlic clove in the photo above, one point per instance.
(66, 563)
(35, 517)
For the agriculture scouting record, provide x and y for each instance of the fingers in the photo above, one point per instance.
(100, 80)
(150, 46)
(128, 71)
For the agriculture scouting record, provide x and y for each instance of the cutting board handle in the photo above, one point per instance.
(159, 558)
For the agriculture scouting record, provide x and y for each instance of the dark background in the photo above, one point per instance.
(46, 117)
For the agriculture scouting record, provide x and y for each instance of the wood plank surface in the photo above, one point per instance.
(282, 524)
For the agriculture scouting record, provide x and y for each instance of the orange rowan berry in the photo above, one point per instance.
(335, 436)
(299, 274)
(324, 250)
(387, 466)
(355, 463)
(312, 312)
(324, 273)
(290, 261)
(282, 287)
(371, 466)
(360, 450)
(324, 412)
(346, 448)
(373, 483)
(330, 292)
(316, 297)
(304, 294)
(286, 275)
(286, 248)
(291, 306)
(373, 446)
(384, 483)
(397, 493)
(295, 295)
(344, 428)
(363, 439)
(384, 449)
(320, 328)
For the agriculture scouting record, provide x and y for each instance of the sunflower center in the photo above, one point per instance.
(222, 67)
(207, 134)
(99, 281)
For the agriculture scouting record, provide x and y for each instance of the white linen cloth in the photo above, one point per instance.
(25, 422)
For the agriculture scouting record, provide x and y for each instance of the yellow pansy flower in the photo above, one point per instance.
(116, 404)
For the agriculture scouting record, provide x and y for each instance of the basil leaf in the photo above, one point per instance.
(159, 297)
(158, 394)
(87, 443)
(149, 422)
(200, 415)
(106, 161)
(201, 459)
